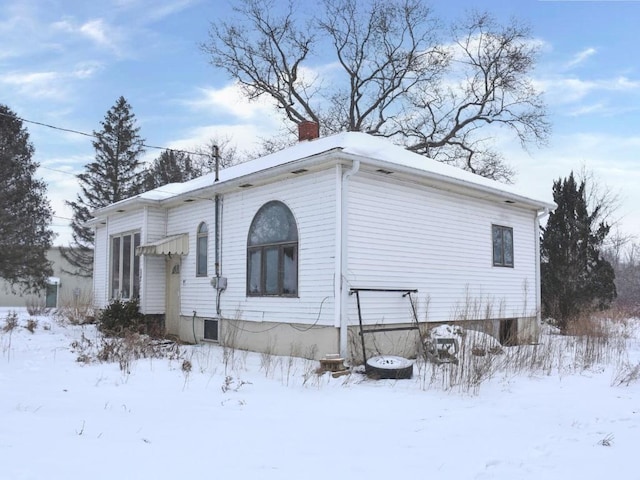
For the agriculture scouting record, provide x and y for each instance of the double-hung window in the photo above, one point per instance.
(125, 266)
(502, 246)
(272, 252)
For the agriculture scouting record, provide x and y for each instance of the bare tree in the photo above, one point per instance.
(169, 167)
(606, 198)
(263, 52)
(385, 49)
(393, 74)
(227, 152)
(624, 255)
(487, 85)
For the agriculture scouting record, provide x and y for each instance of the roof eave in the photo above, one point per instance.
(495, 192)
(122, 206)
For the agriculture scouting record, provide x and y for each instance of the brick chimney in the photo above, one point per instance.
(308, 130)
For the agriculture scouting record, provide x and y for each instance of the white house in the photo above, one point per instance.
(266, 257)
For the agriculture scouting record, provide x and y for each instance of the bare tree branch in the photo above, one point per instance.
(395, 76)
(492, 64)
(264, 53)
(386, 49)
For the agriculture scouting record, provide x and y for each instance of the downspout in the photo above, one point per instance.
(536, 225)
(216, 228)
(344, 258)
(218, 283)
(107, 238)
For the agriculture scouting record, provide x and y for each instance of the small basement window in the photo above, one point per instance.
(211, 330)
(509, 332)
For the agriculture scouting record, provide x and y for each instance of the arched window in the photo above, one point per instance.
(272, 252)
(202, 240)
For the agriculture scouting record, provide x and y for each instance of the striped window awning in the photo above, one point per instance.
(172, 245)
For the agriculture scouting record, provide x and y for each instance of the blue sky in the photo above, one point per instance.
(65, 62)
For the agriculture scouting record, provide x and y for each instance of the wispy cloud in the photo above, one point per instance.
(98, 31)
(588, 109)
(230, 100)
(21, 32)
(160, 11)
(566, 90)
(146, 11)
(86, 70)
(581, 57)
(241, 136)
(55, 85)
(34, 84)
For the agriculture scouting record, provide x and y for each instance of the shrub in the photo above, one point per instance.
(132, 346)
(10, 322)
(121, 317)
(76, 308)
(36, 306)
(32, 325)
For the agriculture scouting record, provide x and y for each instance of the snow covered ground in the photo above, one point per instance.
(244, 415)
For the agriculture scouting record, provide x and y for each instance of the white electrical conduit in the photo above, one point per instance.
(344, 230)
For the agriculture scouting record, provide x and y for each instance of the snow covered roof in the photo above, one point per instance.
(354, 145)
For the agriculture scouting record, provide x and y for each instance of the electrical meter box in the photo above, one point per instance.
(219, 283)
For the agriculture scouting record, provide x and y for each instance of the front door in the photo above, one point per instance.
(51, 300)
(172, 307)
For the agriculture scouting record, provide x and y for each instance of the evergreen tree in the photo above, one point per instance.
(171, 166)
(25, 212)
(114, 175)
(575, 276)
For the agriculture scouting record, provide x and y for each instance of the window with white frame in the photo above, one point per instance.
(272, 252)
(125, 266)
(202, 245)
(502, 246)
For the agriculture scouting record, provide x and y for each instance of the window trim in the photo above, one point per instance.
(134, 266)
(501, 262)
(262, 248)
(202, 251)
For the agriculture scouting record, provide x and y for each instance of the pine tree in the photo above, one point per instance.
(25, 212)
(575, 276)
(114, 175)
(171, 166)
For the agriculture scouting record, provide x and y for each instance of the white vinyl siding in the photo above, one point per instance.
(100, 265)
(156, 224)
(311, 199)
(125, 222)
(406, 236)
(152, 299)
(196, 293)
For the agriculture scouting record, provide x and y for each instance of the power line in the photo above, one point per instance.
(95, 136)
(91, 135)
(159, 189)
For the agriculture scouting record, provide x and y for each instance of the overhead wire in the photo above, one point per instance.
(93, 135)
(187, 152)
(159, 189)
